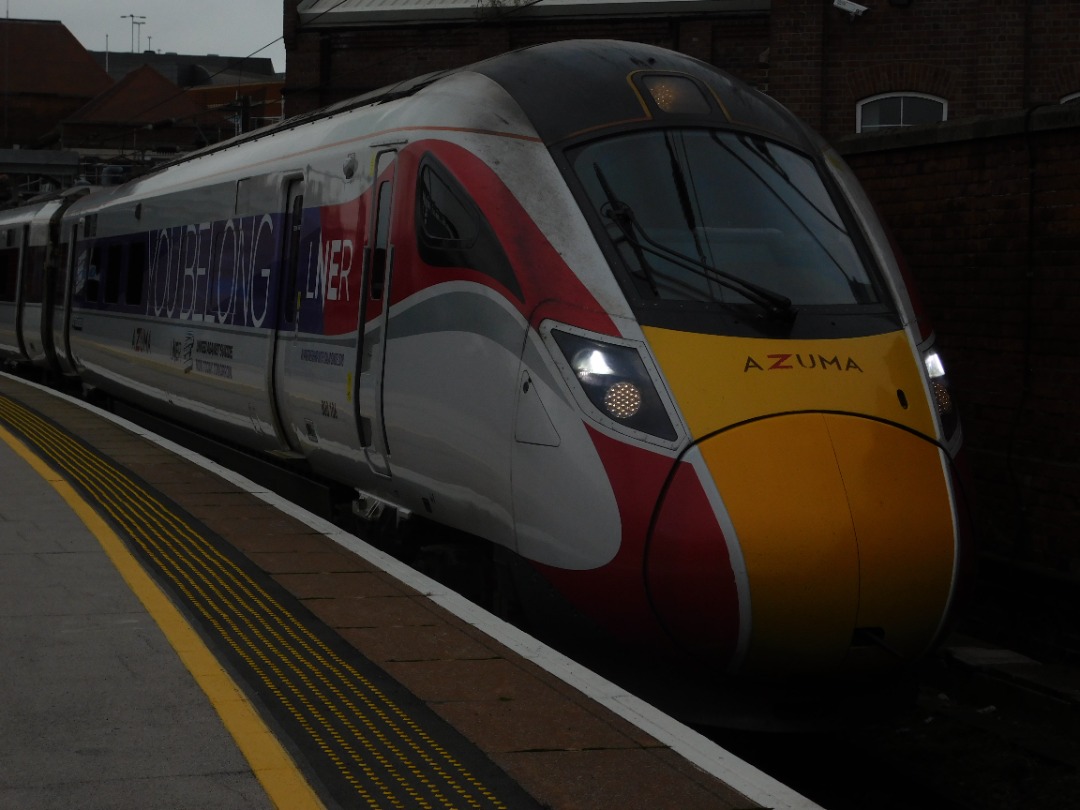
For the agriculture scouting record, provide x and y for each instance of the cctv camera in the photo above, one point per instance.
(854, 9)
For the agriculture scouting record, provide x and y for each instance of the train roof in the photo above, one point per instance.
(579, 86)
(567, 88)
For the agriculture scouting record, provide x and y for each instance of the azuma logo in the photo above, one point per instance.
(794, 362)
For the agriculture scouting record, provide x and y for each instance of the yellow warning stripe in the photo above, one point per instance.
(273, 767)
(223, 593)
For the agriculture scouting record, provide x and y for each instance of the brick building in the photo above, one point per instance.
(983, 57)
(39, 91)
(140, 115)
(959, 59)
(335, 50)
(55, 95)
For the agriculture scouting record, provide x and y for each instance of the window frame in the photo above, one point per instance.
(901, 94)
(465, 205)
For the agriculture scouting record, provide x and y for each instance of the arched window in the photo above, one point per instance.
(899, 110)
(1072, 98)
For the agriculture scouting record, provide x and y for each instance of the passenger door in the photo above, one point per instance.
(288, 309)
(374, 312)
(12, 240)
(60, 297)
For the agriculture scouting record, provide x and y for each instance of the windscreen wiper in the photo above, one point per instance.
(623, 216)
(777, 169)
(775, 304)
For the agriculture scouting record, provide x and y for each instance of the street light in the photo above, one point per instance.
(134, 22)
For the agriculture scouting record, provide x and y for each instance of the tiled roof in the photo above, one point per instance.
(144, 96)
(190, 70)
(41, 57)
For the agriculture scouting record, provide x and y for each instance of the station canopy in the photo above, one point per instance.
(353, 13)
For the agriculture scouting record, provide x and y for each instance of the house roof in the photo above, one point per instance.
(190, 70)
(144, 96)
(41, 57)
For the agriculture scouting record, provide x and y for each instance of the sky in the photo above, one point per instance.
(222, 27)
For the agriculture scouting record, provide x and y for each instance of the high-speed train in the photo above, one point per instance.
(596, 303)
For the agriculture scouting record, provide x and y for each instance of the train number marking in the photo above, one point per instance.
(140, 340)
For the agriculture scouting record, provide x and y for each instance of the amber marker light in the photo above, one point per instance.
(623, 400)
(676, 94)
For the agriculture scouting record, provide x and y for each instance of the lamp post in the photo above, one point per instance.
(134, 22)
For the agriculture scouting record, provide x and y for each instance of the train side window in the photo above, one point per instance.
(34, 280)
(292, 250)
(59, 278)
(452, 230)
(93, 276)
(111, 272)
(446, 220)
(382, 238)
(136, 272)
(9, 272)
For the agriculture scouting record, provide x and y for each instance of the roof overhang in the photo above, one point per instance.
(55, 163)
(359, 13)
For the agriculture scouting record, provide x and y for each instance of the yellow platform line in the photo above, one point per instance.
(272, 765)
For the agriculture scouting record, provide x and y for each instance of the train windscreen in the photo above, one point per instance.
(724, 218)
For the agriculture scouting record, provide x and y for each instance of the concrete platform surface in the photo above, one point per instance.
(98, 710)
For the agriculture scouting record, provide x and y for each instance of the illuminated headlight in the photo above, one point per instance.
(616, 382)
(939, 391)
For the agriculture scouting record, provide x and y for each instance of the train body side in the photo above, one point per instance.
(283, 303)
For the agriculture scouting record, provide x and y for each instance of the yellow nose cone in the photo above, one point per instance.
(846, 530)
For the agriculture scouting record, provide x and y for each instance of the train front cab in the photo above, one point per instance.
(811, 526)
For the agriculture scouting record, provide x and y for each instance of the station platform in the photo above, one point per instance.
(174, 636)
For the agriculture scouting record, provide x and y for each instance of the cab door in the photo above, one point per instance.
(378, 268)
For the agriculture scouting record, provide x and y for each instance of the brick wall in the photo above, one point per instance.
(983, 56)
(328, 66)
(987, 214)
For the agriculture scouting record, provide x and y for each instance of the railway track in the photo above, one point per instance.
(970, 742)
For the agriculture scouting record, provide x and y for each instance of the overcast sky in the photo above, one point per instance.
(224, 27)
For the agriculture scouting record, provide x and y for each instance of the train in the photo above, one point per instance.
(608, 310)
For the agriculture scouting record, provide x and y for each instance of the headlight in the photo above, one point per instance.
(616, 382)
(940, 393)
